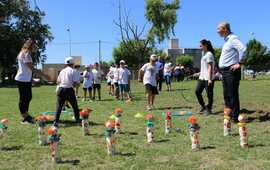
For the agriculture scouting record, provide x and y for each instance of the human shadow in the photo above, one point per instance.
(172, 108)
(129, 133)
(265, 117)
(95, 124)
(128, 154)
(246, 111)
(208, 147)
(180, 89)
(11, 148)
(162, 141)
(217, 113)
(256, 145)
(72, 162)
(107, 100)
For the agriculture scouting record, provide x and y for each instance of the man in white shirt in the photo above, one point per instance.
(124, 75)
(97, 81)
(160, 66)
(150, 72)
(66, 81)
(116, 81)
(232, 56)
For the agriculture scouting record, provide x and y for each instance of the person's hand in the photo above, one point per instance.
(235, 67)
(210, 82)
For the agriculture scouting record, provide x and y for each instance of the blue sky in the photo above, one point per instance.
(92, 20)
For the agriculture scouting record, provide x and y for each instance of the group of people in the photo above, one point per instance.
(150, 74)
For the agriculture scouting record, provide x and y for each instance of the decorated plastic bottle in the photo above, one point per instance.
(194, 132)
(53, 139)
(150, 128)
(109, 137)
(118, 113)
(243, 131)
(85, 120)
(3, 131)
(227, 121)
(168, 122)
(42, 137)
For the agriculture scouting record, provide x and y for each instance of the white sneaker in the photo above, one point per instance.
(148, 107)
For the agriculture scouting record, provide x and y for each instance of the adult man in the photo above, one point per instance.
(160, 66)
(230, 61)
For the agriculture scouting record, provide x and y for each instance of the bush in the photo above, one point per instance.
(185, 60)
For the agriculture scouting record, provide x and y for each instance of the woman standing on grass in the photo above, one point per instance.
(24, 80)
(206, 79)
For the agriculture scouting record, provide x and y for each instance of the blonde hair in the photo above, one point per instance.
(27, 46)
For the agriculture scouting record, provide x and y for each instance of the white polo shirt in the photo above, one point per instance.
(115, 75)
(67, 78)
(150, 73)
(24, 73)
(206, 59)
(124, 74)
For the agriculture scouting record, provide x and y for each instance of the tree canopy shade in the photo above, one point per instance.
(18, 22)
(257, 56)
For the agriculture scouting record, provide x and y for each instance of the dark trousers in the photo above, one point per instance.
(25, 92)
(231, 81)
(159, 81)
(66, 94)
(201, 85)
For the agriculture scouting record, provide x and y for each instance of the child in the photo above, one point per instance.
(110, 79)
(78, 76)
(124, 74)
(88, 79)
(115, 81)
(97, 81)
(168, 75)
(66, 81)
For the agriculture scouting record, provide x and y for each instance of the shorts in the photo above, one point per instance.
(167, 79)
(89, 88)
(116, 85)
(109, 83)
(97, 86)
(150, 88)
(124, 88)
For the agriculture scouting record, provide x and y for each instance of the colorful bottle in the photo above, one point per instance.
(54, 139)
(194, 132)
(243, 131)
(118, 113)
(109, 137)
(42, 137)
(150, 128)
(85, 120)
(168, 123)
(3, 131)
(227, 121)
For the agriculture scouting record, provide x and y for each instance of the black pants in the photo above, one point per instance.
(25, 91)
(66, 94)
(159, 81)
(201, 85)
(231, 81)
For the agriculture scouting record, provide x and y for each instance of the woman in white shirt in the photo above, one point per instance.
(206, 79)
(24, 80)
(168, 75)
(88, 79)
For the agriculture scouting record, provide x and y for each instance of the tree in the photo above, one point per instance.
(257, 56)
(19, 23)
(185, 60)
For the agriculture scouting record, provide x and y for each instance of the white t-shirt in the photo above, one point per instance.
(110, 74)
(167, 69)
(67, 78)
(97, 76)
(124, 74)
(150, 73)
(88, 79)
(207, 58)
(115, 75)
(24, 73)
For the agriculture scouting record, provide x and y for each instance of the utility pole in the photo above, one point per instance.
(69, 37)
(99, 51)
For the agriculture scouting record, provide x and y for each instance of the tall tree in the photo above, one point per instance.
(258, 57)
(18, 22)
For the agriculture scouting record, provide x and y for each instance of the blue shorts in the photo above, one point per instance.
(124, 87)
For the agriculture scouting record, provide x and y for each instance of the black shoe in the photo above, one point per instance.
(203, 110)
(208, 111)
(28, 120)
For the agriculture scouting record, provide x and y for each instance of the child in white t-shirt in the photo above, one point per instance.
(88, 79)
(97, 81)
(78, 76)
(168, 75)
(124, 75)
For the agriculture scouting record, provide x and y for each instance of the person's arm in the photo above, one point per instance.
(210, 71)
(241, 48)
(141, 72)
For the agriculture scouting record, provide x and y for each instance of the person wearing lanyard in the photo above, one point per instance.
(232, 56)
(24, 80)
(66, 80)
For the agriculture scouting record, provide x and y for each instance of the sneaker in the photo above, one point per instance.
(28, 120)
(148, 107)
(203, 110)
(208, 111)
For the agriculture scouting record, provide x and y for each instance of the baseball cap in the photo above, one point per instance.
(122, 61)
(69, 60)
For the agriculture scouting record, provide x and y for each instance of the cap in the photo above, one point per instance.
(122, 62)
(69, 60)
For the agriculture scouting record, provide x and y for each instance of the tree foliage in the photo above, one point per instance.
(18, 22)
(185, 60)
(257, 56)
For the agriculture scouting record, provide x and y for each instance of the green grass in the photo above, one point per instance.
(169, 152)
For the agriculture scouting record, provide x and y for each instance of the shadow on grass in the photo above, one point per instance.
(125, 154)
(162, 141)
(263, 117)
(11, 148)
(172, 108)
(130, 133)
(72, 162)
(107, 100)
(246, 111)
(234, 134)
(256, 145)
(217, 113)
(208, 147)
(180, 89)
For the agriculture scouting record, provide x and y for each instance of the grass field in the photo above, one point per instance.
(168, 152)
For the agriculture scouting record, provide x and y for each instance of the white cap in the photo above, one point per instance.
(153, 57)
(69, 60)
(122, 61)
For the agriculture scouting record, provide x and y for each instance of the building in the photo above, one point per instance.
(174, 50)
